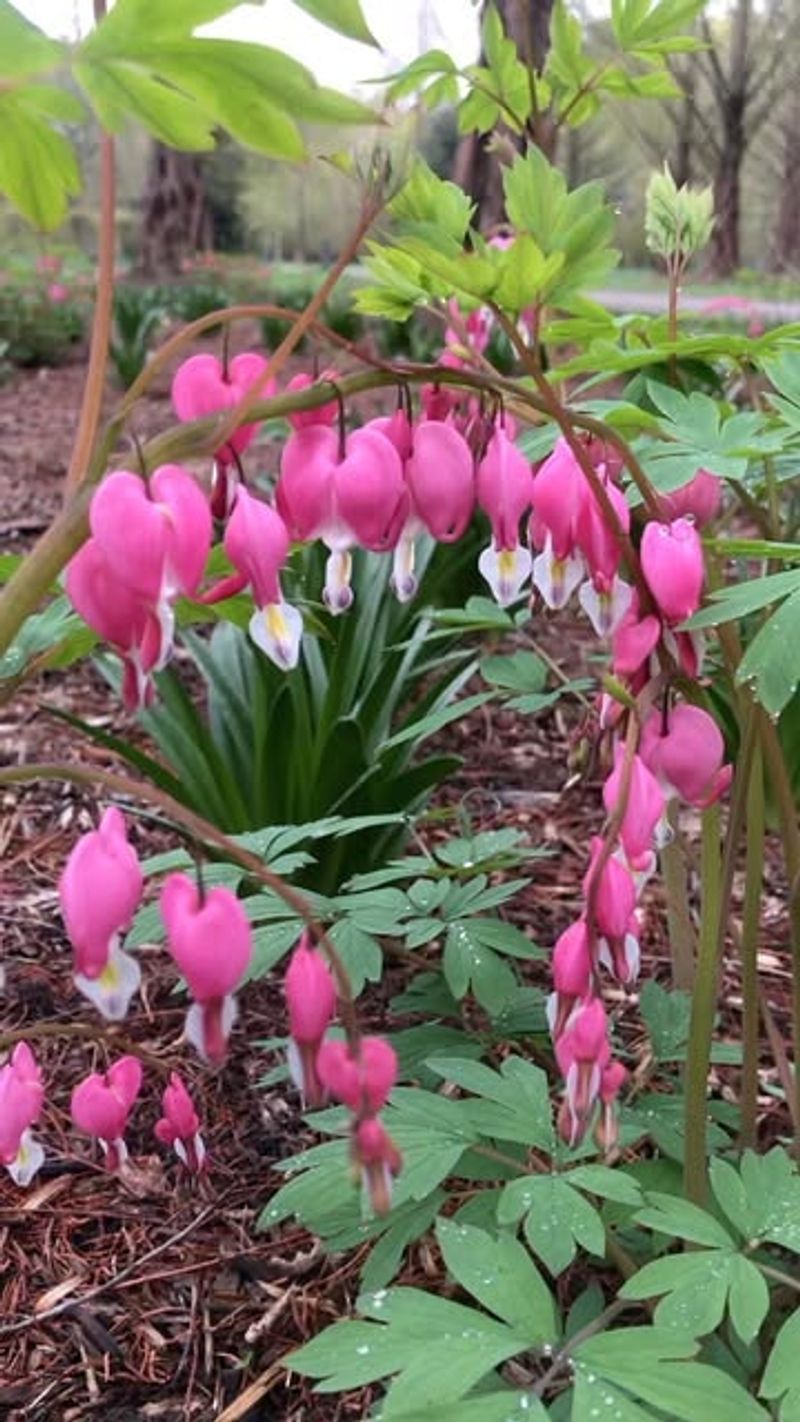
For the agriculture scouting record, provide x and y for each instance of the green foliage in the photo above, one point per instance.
(350, 720)
(573, 82)
(144, 62)
(138, 313)
(678, 221)
(34, 329)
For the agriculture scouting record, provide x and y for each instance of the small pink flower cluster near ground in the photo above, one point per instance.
(101, 889)
(209, 939)
(100, 1108)
(359, 1075)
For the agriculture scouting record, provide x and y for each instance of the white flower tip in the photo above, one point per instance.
(506, 571)
(277, 630)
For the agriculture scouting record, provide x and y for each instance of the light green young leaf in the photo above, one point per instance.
(24, 50)
(344, 16)
(607, 1183)
(498, 1271)
(38, 167)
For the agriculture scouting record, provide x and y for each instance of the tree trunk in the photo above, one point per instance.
(477, 171)
(786, 251)
(176, 223)
(727, 193)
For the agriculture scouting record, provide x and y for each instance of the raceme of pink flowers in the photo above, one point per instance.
(380, 487)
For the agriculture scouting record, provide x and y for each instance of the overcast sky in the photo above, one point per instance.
(404, 28)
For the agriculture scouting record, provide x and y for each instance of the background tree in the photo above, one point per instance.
(176, 219)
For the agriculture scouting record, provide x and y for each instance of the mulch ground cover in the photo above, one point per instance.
(154, 1296)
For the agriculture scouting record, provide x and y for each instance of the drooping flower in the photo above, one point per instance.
(361, 1082)
(209, 938)
(345, 496)
(440, 479)
(311, 1001)
(699, 500)
(572, 976)
(582, 1052)
(378, 1159)
(504, 488)
(154, 540)
(21, 1099)
(606, 1132)
(101, 1105)
(130, 626)
(201, 388)
(179, 1126)
(559, 492)
(612, 891)
(686, 752)
(672, 564)
(644, 810)
(257, 543)
(320, 414)
(605, 598)
(100, 889)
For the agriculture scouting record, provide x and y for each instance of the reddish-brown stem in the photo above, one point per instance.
(101, 324)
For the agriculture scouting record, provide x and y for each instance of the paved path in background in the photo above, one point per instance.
(654, 303)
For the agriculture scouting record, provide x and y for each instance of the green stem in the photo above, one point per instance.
(754, 873)
(717, 881)
(682, 937)
(704, 1004)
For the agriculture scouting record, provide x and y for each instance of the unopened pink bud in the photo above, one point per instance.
(644, 809)
(700, 499)
(179, 1126)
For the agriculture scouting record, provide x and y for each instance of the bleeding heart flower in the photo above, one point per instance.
(209, 937)
(137, 632)
(559, 493)
(201, 388)
(362, 1082)
(634, 640)
(687, 754)
(379, 1160)
(311, 1000)
(440, 480)
(612, 890)
(672, 563)
(257, 543)
(572, 971)
(100, 889)
(582, 1052)
(21, 1099)
(699, 500)
(101, 1106)
(179, 1126)
(349, 496)
(504, 488)
(644, 811)
(605, 598)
